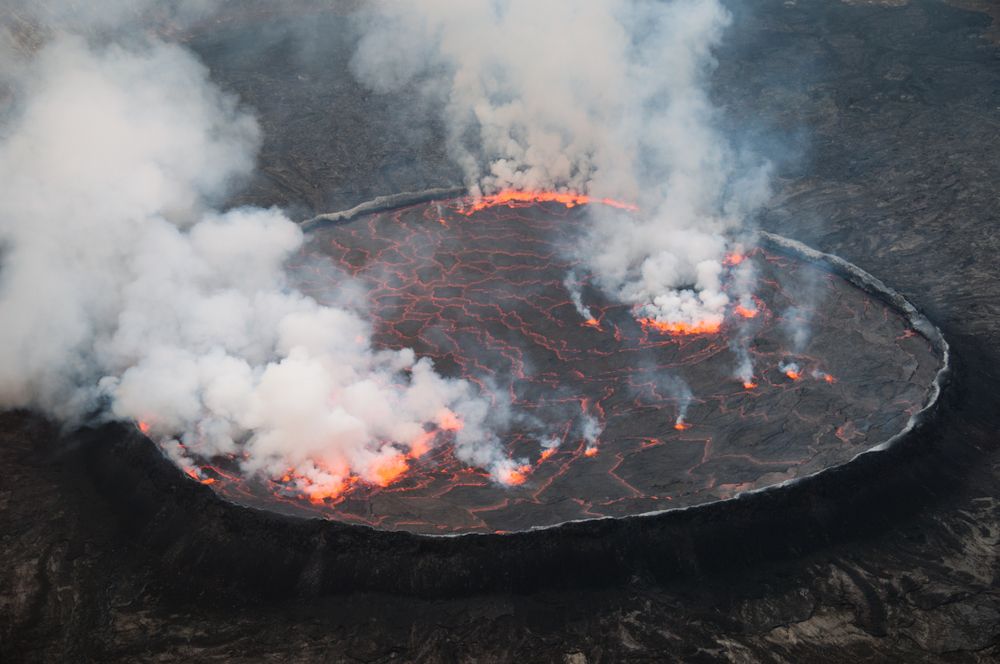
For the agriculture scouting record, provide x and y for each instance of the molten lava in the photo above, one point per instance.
(822, 375)
(422, 444)
(318, 495)
(668, 327)
(514, 476)
(486, 300)
(514, 198)
(744, 312)
(733, 259)
(389, 469)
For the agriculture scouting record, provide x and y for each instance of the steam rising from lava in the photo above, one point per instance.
(606, 99)
(573, 285)
(124, 292)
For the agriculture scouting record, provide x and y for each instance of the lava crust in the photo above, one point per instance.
(484, 295)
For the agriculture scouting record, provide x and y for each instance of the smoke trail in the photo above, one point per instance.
(572, 285)
(550, 443)
(677, 389)
(590, 430)
(604, 98)
(790, 369)
(797, 324)
(125, 292)
(745, 314)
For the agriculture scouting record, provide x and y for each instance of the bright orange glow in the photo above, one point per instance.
(590, 452)
(449, 421)
(208, 480)
(388, 469)
(143, 427)
(546, 453)
(422, 444)
(749, 385)
(512, 198)
(515, 476)
(830, 379)
(699, 327)
(317, 494)
(681, 425)
(733, 259)
(592, 322)
(744, 312)
(794, 375)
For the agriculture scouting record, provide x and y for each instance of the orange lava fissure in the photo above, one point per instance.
(669, 327)
(514, 198)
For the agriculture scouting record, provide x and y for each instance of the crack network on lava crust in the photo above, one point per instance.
(606, 418)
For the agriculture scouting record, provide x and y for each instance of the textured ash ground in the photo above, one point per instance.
(898, 108)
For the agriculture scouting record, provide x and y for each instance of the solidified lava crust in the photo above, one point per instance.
(485, 297)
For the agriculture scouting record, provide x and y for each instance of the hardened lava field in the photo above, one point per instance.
(836, 372)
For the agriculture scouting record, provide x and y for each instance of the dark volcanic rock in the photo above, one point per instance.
(897, 107)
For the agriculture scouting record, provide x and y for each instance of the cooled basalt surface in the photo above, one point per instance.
(484, 296)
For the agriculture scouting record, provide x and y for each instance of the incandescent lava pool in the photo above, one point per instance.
(483, 294)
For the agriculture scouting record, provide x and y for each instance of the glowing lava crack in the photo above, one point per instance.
(612, 416)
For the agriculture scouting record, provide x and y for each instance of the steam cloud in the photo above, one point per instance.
(605, 98)
(743, 279)
(572, 285)
(591, 430)
(125, 293)
(86, 17)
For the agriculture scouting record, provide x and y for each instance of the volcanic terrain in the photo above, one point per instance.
(672, 425)
(111, 555)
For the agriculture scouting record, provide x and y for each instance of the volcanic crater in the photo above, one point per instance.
(838, 370)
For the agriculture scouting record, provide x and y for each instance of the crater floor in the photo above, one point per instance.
(836, 372)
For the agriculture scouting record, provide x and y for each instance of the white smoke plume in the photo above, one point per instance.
(572, 285)
(677, 389)
(746, 313)
(123, 291)
(790, 369)
(550, 443)
(744, 363)
(796, 321)
(548, 446)
(797, 325)
(590, 430)
(84, 17)
(603, 98)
